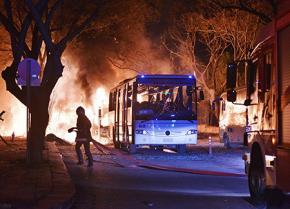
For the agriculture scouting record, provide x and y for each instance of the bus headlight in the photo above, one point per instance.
(191, 131)
(141, 132)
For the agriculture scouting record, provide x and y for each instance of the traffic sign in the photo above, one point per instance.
(23, 67)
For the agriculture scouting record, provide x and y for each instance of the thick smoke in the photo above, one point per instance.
(107, 62)
(119, 52)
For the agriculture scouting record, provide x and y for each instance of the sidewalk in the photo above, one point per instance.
(45, 186)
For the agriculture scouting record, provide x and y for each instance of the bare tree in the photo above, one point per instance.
(31, 27)
(262, 9)
(205, 43)
(132, 49)
(201, 43)
(197, 30)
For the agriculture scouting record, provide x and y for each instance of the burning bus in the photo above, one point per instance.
(233, 118)
(154, 110)
(268, 104)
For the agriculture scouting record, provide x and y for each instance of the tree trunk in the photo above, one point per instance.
(40, 97)
(39, 120)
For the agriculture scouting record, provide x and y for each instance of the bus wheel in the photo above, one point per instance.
(256, 180)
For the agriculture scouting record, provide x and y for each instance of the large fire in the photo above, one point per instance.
(66, 97)
(14, 117)
(62, 117)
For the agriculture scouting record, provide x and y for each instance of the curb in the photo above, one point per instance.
(192, 171)
(63, 190)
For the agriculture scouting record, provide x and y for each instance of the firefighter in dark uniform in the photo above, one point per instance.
(83, 136)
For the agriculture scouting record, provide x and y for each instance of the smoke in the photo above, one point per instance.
(100, 59)
(127, 45)
(107, 59)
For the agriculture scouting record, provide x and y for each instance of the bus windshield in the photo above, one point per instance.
(165, 102)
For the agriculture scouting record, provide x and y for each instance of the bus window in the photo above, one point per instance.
(129, 96)
(172, 102)
(111, 101)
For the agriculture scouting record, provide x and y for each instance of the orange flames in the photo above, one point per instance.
(14, 117)
(64, 117)
(66, 97)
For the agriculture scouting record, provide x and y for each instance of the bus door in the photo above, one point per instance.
(117, 117)
(128, 116)
(283, 151)
(121, 114)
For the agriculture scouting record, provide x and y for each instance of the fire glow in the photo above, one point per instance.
(66, 97)
(14, 118)
(62, 118)
(234, 114)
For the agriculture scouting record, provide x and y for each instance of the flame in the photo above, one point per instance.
(64, 103)
(66, 97)
(14, 118)
(62, 118)
(100, 98)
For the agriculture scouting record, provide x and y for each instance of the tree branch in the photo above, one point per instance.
(9, 74)
(53, 9)
(50, 14)
(40, 25)
(265, 18)
(11, 85)
(14, 33)
(120, 66)
(7, 5)
(73, 33)
(36, 39)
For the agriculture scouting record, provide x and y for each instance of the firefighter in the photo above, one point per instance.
(83, 136)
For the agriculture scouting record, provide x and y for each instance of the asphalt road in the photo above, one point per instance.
(111, 185)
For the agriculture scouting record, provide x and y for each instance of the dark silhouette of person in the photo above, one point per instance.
(83, 136)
